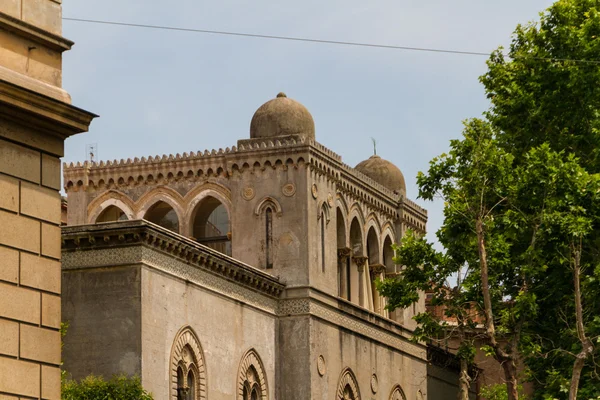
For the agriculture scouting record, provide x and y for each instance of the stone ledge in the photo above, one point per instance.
(144, 233)
(34, 33)
(55, 118)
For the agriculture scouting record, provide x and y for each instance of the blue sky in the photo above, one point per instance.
(161, 92)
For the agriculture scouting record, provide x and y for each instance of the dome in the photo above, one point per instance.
(282, 116)
(383, 172)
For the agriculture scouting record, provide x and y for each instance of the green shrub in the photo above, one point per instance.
(96, 388)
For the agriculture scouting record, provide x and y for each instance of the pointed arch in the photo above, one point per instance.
(356, 237)
(388, 230)
(252, 378)
(266, 202)
(373, 221)
(397, 393)
(161, 193)
(356, 212)
(110, 198)
(373, 247)
(347, 386)
(187, 360)
(324, 209)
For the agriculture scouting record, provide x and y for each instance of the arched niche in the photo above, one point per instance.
(161, 213)
(111, 214)
(388, 254)
(210, 225)
(187, 367)
(373, 247)
(397, 393)
(347, 386)
(252, 380)
(356, 238)
(341, 229)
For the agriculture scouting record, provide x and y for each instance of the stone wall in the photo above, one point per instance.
(35, 119)
(29, 272)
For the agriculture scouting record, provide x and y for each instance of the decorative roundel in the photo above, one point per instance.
(374, 383)
(321, 365)
(248, 193)
(314, 190)
(289, 189)
(330, 200)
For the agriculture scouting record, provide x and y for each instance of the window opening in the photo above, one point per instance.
(322, 241)
(269, 237)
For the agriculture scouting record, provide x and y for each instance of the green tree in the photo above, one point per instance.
(504, 222)
(96, 388)
(546, 91)
(427, 270)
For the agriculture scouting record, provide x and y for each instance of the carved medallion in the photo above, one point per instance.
(248, 193)
(330, 200)
(374, 383)
(314, 190)
(289, 189)
(321, 365)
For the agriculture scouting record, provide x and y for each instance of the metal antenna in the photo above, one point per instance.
(91, 152)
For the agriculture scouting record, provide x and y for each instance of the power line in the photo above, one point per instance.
(321, 41)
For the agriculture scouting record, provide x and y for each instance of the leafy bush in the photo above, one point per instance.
(498, 392)
(96, 388)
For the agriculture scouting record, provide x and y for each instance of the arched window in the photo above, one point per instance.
(251, 385)
(343, 257)
(252, 382)
(357, 287)
(210, 225)
(388, 255)
(323, 240)
(398, 393)
(269, 237)
(347, 386)
(188, 381)
(164, 215)
(111, 214)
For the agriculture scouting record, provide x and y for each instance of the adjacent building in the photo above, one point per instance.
(36, 116)
(244, 273)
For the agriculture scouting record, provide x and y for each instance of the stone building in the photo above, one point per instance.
(243, 273)
(36, 116)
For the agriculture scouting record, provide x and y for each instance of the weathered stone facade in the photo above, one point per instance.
(36, 116)
(254, 277)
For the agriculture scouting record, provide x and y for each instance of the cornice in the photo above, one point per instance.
(132, 233)
(53, 116)
(337, 311)
(34, 33)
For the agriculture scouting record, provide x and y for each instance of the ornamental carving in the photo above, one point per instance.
(330, 200)
(398, 394)
(187, 368)
(374, 383)
(344, 253)
(348, 386)
(321, 368)
(360, 261)
(377, 269)
(289, 190)
(248, 193)
(315, 191)
(252, 380)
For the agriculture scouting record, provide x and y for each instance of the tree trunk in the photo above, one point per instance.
(464, 381)
(505, 359)
(587, 347)
(510, 375)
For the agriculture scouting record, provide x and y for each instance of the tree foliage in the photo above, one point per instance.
(96, 388)
(546, 92)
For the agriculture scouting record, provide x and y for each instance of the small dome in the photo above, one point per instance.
(383, 172)
(282, 116)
